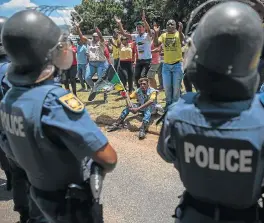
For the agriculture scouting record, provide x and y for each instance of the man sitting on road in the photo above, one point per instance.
(147, 104)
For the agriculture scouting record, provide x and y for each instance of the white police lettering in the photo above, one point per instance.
(13, 124)
(229, 160)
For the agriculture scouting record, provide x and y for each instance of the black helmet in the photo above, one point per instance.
(224, 52)
(34, 43)
(2, 21)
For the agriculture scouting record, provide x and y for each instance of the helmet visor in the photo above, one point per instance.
(62, 54)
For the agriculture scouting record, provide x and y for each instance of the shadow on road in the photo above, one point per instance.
(119, 99)
(132, 123)
(4, 194)
(100, 102)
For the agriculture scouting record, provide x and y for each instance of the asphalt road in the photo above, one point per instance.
(142, 188)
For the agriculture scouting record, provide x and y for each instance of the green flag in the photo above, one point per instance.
(117, 83)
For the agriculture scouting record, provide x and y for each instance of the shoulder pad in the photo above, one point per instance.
(261, 98)
(71, 102)
(189, 97)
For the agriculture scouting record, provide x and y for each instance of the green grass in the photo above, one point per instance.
(110, 111)
(107, 113)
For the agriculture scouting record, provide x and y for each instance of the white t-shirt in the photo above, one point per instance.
(143, 46)
(96, 51)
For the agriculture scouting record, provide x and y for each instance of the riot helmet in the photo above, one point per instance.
(2, 21)
(224, 51)
(35, 45)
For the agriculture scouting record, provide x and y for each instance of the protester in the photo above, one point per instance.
(71, 73)
(107, 55)
(115, 45)
(143, 42)
(97, 59)
(147, 103)
(172, 70)
(81, 56)
(155, 63)
(126, 60)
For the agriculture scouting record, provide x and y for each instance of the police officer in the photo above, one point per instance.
(3, 65)
(259, 7)
(23, 204)
(49, 123)
(215, 137)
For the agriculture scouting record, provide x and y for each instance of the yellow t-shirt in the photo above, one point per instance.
(125, 52)
(152, 96)
(133, 95)
(172, 47)
(116, 49)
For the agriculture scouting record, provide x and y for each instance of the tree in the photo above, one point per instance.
(98, 13)
(101, 13)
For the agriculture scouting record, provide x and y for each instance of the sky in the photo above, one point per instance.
(9, 7)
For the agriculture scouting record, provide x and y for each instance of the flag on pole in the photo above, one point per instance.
(110, 81)
(117, 83)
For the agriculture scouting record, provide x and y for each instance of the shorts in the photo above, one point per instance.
(153, 70)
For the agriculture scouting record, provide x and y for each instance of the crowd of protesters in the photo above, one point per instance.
(149, 53)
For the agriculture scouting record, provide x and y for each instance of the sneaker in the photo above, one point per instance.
(160, 109)
(82, 90)
(143, 131)
(115, 126)
(92, 96)
(141, 134)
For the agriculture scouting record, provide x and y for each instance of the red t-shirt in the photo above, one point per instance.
(107, 54)
(135, 52)
(156, 55)
(74, 50)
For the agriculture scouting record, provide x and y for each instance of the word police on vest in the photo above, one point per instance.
(229, 159)
(13, 124)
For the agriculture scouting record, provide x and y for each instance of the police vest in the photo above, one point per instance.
(220, 160)
(47, 166)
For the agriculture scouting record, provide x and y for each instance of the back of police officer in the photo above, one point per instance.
(16, 177)
(215, 138)
(48, 122)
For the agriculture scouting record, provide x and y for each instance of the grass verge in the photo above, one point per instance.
(107, 113)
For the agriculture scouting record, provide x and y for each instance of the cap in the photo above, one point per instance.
(140, 23)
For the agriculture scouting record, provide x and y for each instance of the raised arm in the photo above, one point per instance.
(115, 45)
(121, 29)
(99, 34)
(147, 27)
(82, 37)
(156, 50)
(156, 41)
